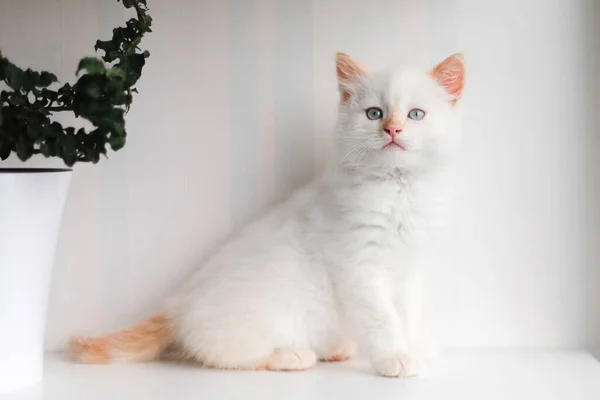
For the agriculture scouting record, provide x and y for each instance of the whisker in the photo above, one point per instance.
(360, 156)
(350, 151)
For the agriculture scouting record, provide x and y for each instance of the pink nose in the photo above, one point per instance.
(393, 130)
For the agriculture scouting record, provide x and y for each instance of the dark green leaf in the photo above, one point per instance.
(45, 149)
(129, 32)
(3, 67)
(91, 65)
(5, 147)
(133, 65)
(17, 99)
(34, 130)
(54, 130)
(49, 94)
(24, 149)
(105, 45)
(14, 76)
(94, 91)
(46, 79)
(111, 51)
(116, 72)
(116, 142)
(69, 148)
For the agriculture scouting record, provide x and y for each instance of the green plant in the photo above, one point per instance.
(102, 95)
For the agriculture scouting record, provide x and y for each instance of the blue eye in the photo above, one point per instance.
(416, 114)
(374, 113)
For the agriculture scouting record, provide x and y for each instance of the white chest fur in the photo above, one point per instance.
(397, 203)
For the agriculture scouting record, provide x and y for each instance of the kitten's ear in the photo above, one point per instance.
(348, 71)
(450, 74)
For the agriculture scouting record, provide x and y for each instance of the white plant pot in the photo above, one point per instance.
(31, 207)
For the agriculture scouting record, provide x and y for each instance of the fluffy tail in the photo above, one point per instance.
(142, 342)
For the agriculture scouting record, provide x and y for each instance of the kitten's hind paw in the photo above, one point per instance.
(398, 365)
(342, 352)
(289, 360)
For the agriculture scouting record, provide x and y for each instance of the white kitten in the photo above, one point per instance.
(334, 263)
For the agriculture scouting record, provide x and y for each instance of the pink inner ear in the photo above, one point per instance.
(450, 74)
(348, 70)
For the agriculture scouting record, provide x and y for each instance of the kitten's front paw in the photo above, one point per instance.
(397, 364)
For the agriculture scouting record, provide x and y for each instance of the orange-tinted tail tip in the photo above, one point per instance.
(89, 351)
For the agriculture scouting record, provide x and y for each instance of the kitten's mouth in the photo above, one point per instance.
(393, 145)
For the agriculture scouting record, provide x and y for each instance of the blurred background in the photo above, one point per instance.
(235, 108)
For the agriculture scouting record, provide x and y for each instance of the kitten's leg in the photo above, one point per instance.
(366, 297)
(289, 360)
(342, 352)
(409, 306)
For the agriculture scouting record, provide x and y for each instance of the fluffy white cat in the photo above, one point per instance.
(332, 265)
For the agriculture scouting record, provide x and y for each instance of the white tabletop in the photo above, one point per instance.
(460, 375)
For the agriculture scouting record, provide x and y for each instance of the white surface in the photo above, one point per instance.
(31, 207)
(460, 375)
(234, 108)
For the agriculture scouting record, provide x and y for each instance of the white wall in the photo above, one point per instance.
(234, 111)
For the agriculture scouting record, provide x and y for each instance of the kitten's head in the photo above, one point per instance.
(404, 119)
